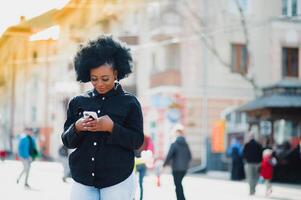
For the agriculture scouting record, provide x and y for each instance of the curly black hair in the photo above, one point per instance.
(103, 50)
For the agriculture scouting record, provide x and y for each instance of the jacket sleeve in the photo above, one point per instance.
(130, 136)
(189, 153)
(170, 154)
(70, 138)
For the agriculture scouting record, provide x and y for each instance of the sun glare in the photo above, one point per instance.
(12, 10)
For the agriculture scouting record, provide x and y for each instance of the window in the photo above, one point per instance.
(239, 58)
(33, 114)
(285, 130)
(35, 56)
(70, 66)
(154, 63)
(173, 56)
(291, 8)
(290, 62)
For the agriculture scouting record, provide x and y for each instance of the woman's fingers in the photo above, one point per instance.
(90, 123)
(99, 124)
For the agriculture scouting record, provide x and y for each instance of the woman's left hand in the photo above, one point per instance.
(103, 123)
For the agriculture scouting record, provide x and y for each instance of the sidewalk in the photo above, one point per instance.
(46, 182)
(225, 175)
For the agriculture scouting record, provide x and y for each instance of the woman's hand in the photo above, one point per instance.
(80, 124)
(103, 123)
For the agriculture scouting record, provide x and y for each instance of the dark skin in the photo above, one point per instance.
(102, 79)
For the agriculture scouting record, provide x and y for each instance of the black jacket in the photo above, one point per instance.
(252, 152)
(179, 155)
(103, 159)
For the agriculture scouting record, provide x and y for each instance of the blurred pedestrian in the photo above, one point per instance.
(252, 154)
(105, 125)
(63, 157)
(27, 151)
(237, 166)
(158, 165)
(266, 169)
(3, 155)
(144, 160)
(179, 156)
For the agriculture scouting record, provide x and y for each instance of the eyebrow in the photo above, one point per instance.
(103, 76)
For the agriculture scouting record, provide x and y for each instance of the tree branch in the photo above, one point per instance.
(205, 39)
(247, 42)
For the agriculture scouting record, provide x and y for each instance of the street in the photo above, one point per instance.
(46, 182)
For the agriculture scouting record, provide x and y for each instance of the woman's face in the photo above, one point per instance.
(102, 78)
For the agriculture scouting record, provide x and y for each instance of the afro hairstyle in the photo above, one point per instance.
(103, 50)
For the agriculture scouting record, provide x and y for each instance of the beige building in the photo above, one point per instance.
(36, 93)
(206, 55)
(176, 76)
(23, 62)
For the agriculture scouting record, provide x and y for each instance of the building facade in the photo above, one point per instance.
(193, 62)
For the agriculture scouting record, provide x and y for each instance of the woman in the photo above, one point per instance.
(103, 161)
(237, 166)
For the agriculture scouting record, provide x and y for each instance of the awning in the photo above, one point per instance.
(273, 101)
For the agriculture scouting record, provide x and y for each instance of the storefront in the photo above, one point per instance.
(275, 117)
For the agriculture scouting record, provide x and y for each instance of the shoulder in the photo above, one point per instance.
(173, 145)
(131, 99)
(23, 139)
(246, 146)
(80, 97)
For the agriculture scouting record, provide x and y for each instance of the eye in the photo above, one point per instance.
(105, 79)
(94, 79)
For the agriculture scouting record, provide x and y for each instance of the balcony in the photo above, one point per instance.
(169, 77)
(129, 39)
(165, 21)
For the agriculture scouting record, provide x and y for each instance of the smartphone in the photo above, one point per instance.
(90, 114)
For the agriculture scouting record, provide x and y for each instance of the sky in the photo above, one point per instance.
(11, 10)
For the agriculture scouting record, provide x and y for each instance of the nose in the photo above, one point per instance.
(99, 82)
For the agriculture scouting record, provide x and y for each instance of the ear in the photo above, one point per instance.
(115, 74)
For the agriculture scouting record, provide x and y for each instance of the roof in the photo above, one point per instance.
(286, 83)
(70, 7)
(30, 26)
(273, 101)
(42, 21)
(284, 94)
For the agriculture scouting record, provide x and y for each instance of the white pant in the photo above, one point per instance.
(26, 167)
(121, 191)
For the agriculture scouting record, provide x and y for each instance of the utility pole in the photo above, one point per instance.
(25, 84)
(204, 92)
(12, 104)
(204, 131)
(46, 86)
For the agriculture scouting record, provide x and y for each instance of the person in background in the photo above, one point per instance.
(144, 159)
(158, 164)
(63, 157)
(178, 156)
(266, 169)
(27, 151)
(252, 154)
(237, 166)
(3, 155)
